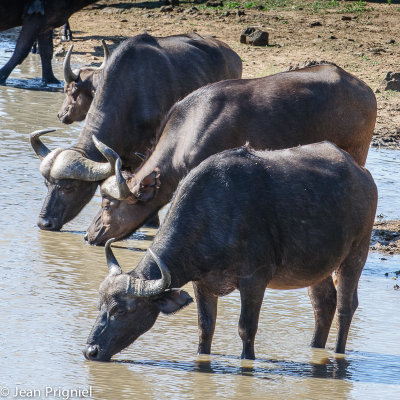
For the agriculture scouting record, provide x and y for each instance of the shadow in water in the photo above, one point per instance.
(34, 84)
(359, 367)
(74, 232)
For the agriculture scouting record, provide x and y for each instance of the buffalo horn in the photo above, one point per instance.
(70, 164)
(123, 189)
(112, 262)
(116, 186)
(69, 76)
(38, 146)
(106, 53)
(107, 152)
(146, 288)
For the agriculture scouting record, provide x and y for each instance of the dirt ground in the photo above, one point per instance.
(361, 37)
(385, 237)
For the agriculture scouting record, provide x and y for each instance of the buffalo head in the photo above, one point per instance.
(126, 205)
(79, 86)
(129, 305)
(71, 180)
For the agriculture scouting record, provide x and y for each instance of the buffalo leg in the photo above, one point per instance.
(323, 300)
(45, 42)
(26, 38)
(66, 34)
(207, 315)
(348, 275)
(251, 297)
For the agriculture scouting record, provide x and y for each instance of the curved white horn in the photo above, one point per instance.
(38, 146)
(69, 75)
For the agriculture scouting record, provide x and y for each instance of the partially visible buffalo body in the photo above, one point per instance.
(308, 105)
(38, 19)
(249, 220)
(79, 86)
(143, 78)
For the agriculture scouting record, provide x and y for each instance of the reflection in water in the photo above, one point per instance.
(327, 367)
(49, 283)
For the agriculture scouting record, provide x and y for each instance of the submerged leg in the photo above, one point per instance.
(26, 38)
(66, 34)
(348, 275)
(207, 315)
(45, 42)
(251, 296)
(323, 300)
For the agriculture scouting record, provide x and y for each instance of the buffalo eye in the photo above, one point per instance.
(114, 203)
(117, 312)
(67, 188)
(131, 305)
(107, 204)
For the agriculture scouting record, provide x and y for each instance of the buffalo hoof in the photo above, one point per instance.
(52, 80)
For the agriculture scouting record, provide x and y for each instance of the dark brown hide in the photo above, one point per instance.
(251, 220)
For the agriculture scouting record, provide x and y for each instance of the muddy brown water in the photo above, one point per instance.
(48, 294)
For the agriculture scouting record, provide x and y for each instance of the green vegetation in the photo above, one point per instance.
(342, 6)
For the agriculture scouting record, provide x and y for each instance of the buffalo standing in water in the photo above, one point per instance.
(79, 86)
(322, 102)
(38, 19)
(143, 78)
(248, 220)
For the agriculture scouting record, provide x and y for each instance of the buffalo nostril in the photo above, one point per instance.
(91, 352)
(45, 223)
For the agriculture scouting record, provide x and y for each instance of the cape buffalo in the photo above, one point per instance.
(79, 86)
(248, 220)
(143, 78)
(38, 19)
(322, 102)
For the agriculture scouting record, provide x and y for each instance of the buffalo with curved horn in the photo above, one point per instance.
(320, 102)
(141, 80)
(249, 220)
(131, 288)
(80, 86)
(75, 171)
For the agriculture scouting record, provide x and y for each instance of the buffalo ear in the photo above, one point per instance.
(173, 300)
(148, 187)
